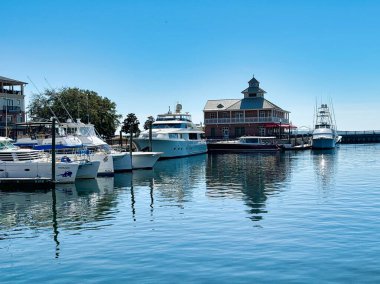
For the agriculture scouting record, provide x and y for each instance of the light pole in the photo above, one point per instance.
(280, 127)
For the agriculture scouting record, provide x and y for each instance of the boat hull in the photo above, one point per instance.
(106, 167)
(88, 169)
(323, 143)
(144, 160)
(240, 147)
(121, 162)
(174, 148)
(64, 172)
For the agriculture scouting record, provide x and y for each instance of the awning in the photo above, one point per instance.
(277, 125)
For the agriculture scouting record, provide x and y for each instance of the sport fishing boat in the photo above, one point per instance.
(122, 161)
(174, 134)
(245, 144)
(324, 135)
(16, 163)
(39, 137)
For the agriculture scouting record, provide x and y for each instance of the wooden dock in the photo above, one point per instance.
(25, 183)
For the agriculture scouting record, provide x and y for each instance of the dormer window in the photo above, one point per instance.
(220, 106)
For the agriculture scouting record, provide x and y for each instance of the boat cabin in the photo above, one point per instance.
(259, 140)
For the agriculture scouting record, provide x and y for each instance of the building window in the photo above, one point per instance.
(239, 131)
(213, 115)
(213, 132)
(19, 102)
(226, 132)
(9, 118)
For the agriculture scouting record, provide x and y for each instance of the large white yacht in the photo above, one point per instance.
(16, 163)
(324, 135)
(174, 134)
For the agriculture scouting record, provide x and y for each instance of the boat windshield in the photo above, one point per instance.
(182, 117)
(169, 125)
(322, 126)
(7, 145)
(87, 131)
(251, 140)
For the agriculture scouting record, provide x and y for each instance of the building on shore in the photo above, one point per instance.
(12, 105)
(253, 115)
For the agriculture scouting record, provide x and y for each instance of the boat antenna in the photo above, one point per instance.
(54, 115)
(333, 115)
(59, 99)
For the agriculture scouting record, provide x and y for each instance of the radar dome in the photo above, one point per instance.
(178, 108)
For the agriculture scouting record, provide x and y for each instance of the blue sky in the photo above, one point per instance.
(149, 55)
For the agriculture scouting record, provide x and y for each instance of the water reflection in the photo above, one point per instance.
(69, 206)
(176, 179)
(325, 166)
(251, 177)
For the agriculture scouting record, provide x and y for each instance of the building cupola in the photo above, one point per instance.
(253, 90)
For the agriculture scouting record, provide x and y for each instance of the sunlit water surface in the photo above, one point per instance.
(305, 217)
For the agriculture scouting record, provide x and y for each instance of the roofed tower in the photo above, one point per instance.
(253, 90)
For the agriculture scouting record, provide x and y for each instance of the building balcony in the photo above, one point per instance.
(5, 91)
(240, 120)
(11, 109)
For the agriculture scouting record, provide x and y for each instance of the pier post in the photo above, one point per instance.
(150, 133)
(53, 152)
(121, 140)
(130, 144)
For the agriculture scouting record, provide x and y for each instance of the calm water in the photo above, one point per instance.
(295, 217)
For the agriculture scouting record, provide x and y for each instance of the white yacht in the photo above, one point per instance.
(174, 134)
(40, 137)
(122, 161)
(324, 135)
(87, 168)
(16, 163)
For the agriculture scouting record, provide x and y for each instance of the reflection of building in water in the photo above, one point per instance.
(324, 162)
(251, 177)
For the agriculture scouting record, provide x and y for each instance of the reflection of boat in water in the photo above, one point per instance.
(245, 144)
(325, 166)
(123, 180)
(324, 135)
(68, 207)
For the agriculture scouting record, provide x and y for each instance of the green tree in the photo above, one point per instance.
(86, 105)
(148, 122)
(131, 124)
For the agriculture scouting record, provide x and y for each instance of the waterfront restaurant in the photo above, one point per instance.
(12, 105)
(253, 115)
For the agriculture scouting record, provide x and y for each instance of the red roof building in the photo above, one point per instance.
(252, 115)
